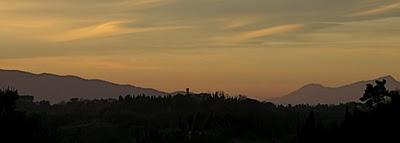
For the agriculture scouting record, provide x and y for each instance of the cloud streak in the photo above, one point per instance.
(249, 37)
(378, 10)
(280, 29)
(107, 29)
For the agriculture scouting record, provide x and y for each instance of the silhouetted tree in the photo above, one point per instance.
(10, 119)
(374, 95)
(8, 100)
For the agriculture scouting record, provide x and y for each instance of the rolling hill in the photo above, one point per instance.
(56, 88)
(318, 94)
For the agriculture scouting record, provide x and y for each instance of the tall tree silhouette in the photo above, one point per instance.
(9, 118)
(8, 100)
(374, 95)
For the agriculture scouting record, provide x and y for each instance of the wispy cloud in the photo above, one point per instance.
(239, 39)
(107, 29)
(378, 10)
(268, 31)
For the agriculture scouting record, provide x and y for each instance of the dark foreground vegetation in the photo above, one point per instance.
(199, 118)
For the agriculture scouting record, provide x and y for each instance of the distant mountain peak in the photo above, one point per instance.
(319, 94)
(313, 85)
(387, 78)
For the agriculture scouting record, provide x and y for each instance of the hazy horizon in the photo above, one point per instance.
(259, 48)
(212, 91)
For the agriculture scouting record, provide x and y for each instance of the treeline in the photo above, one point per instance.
(195, 118)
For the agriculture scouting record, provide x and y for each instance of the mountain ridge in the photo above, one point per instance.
(57, 88)
(319, 94)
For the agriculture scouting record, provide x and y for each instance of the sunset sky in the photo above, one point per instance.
(260, 48)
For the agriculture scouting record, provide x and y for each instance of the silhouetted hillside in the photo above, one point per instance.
(319, 94)
(57, 88)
